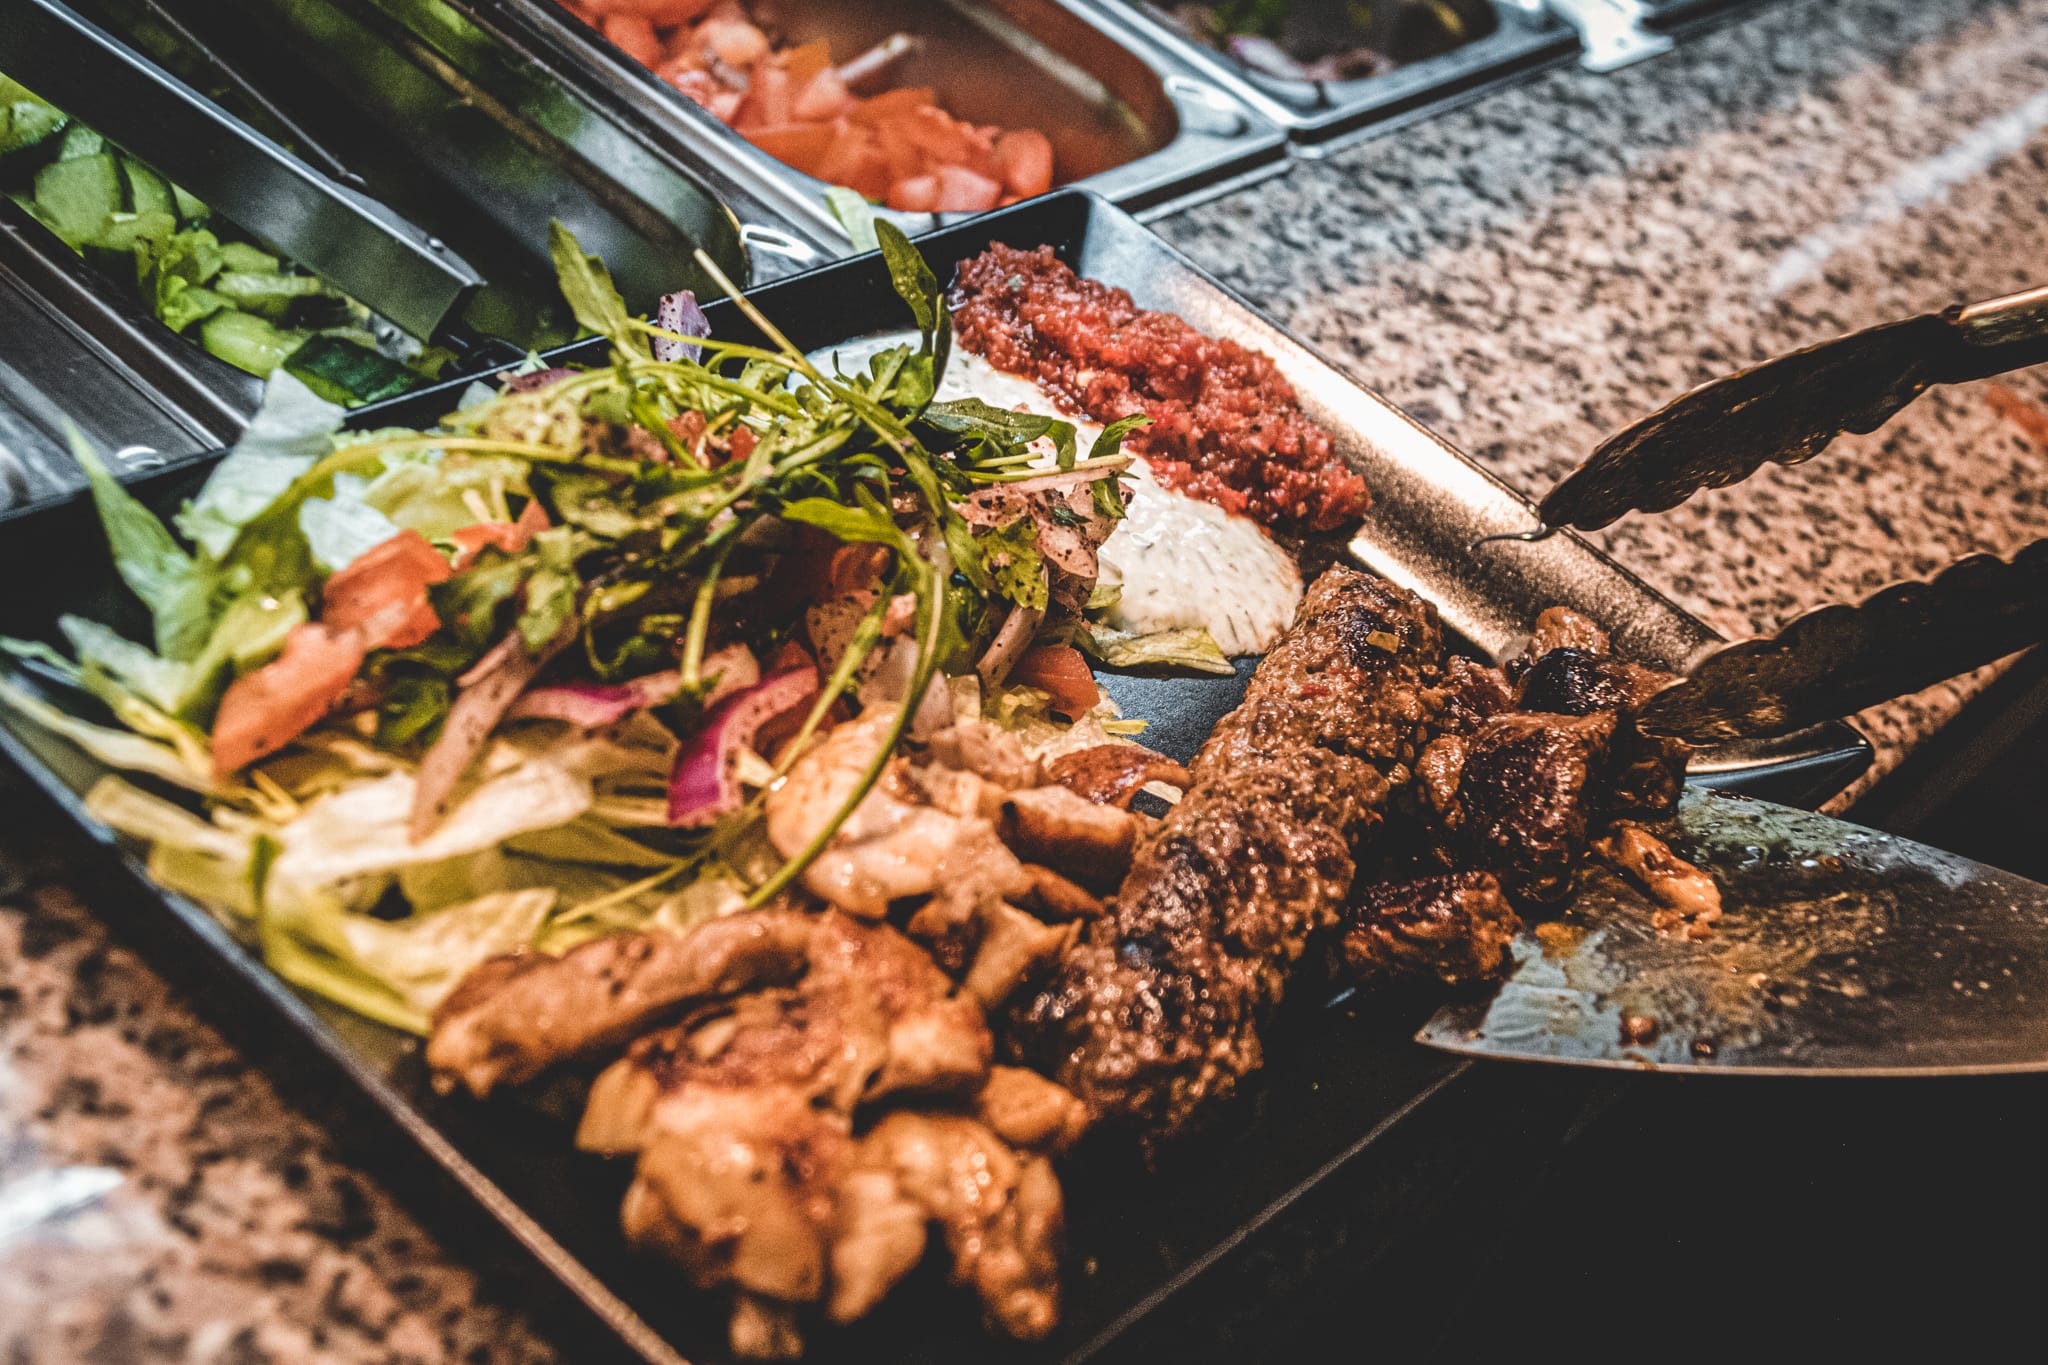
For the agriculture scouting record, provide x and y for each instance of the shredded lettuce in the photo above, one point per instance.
(341, 529)
(122, 749)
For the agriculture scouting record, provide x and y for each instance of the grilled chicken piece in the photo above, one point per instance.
(1112, 774)
(510, 1020)
(1030, 1112)
(1090, 843)
(1013, 948)
(1456, 929)
(899, 842)
(1001, 1214)
(871, 1017)
(737, 1186)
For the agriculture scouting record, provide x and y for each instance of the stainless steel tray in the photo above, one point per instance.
(1512, 39)
(1354, 1142)
(1127, 122)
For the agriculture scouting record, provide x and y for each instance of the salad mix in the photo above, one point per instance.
(414, 699)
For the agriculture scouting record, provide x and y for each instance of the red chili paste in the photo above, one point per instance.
(1226, 425)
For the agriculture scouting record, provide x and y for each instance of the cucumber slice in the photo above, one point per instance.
(248, 342)
(148, 192)
(80, 140)
(27, 122)
(191, 208)
(185, 304)
(343, 372)
(243, 256)
(79, 195)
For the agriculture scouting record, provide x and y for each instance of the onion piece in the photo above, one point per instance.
(705, 781)
(488, 691)
(595, 705)
(680, 314)
(539, 379)
(1013, 637)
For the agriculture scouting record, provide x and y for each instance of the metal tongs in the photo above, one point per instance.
(1844, 657)
(355, 243)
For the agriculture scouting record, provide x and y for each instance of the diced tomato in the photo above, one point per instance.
(383, 594)
(892, 104)
(768, 100)
(806, 62)
(510, 536)
(915, 194)
(962, 191)
(802, 145)
(634, 36)
(822, 98)
(1024, 157)
(267, 709)
(1062, 671)
(855, 160)
(660, 12)
(854, 568)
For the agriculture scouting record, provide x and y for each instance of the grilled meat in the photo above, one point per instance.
(512, 1019)
(1647, 771)
(1111, 774)
(1156, 1012)
(1690, 899)
(1455, 928)
(1527, 787)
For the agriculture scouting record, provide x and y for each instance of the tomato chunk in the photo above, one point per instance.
(510, 536)
(1063, 671)
(383, 594)
(267, 709)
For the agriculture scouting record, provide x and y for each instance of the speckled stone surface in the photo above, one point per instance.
(1531, 272)
(1525, 274)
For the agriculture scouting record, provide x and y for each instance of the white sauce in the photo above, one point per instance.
(1181, 562)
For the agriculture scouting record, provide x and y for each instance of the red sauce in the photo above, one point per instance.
(1226, 425)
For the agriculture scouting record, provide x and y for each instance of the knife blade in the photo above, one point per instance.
(1838, 659)
(1787, 410)
(1841, 951)
(350, 240)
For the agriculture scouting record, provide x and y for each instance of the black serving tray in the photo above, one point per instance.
(1354, 1148)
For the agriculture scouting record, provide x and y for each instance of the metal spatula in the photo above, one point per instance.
(1841, 951)
(1787, 410)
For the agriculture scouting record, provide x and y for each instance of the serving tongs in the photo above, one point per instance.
(355, 243)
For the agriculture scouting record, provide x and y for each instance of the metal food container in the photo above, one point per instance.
(1132, 124)
(1445, 50)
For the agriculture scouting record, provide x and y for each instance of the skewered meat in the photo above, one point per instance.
(511, 1020)
(1156, 1012)
(1455, 929)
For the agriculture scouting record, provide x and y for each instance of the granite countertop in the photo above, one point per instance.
(1525, 274)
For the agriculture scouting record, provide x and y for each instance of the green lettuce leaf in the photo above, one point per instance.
(176, 590)
(344, 527)
(123, 749)
(1193, 648)
(292, 431)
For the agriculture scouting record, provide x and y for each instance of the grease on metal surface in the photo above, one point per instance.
(1841, 949)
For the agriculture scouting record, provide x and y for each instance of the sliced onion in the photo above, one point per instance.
(1013, 637)
(594, 705)
(539, 379)
(679, 313)
(705, 782)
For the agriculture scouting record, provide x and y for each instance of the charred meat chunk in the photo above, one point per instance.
(1527, 792)
(1647, 771)
(1456, 929)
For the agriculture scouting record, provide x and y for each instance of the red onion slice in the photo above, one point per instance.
(539, 379)
(679, 313)
(705, 781)
(595, 705)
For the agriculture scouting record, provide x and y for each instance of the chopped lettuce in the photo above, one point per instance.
(290, 433)
(123, 749)
(1192, 648)
(344, 527)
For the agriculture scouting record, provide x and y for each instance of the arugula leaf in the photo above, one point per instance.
(975, 417)
(1111, 441)
(592, 297)
(856, 215)
(870, 521)
(915, 283)
(176, 590)
(1108, 496)
(1015, 567)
